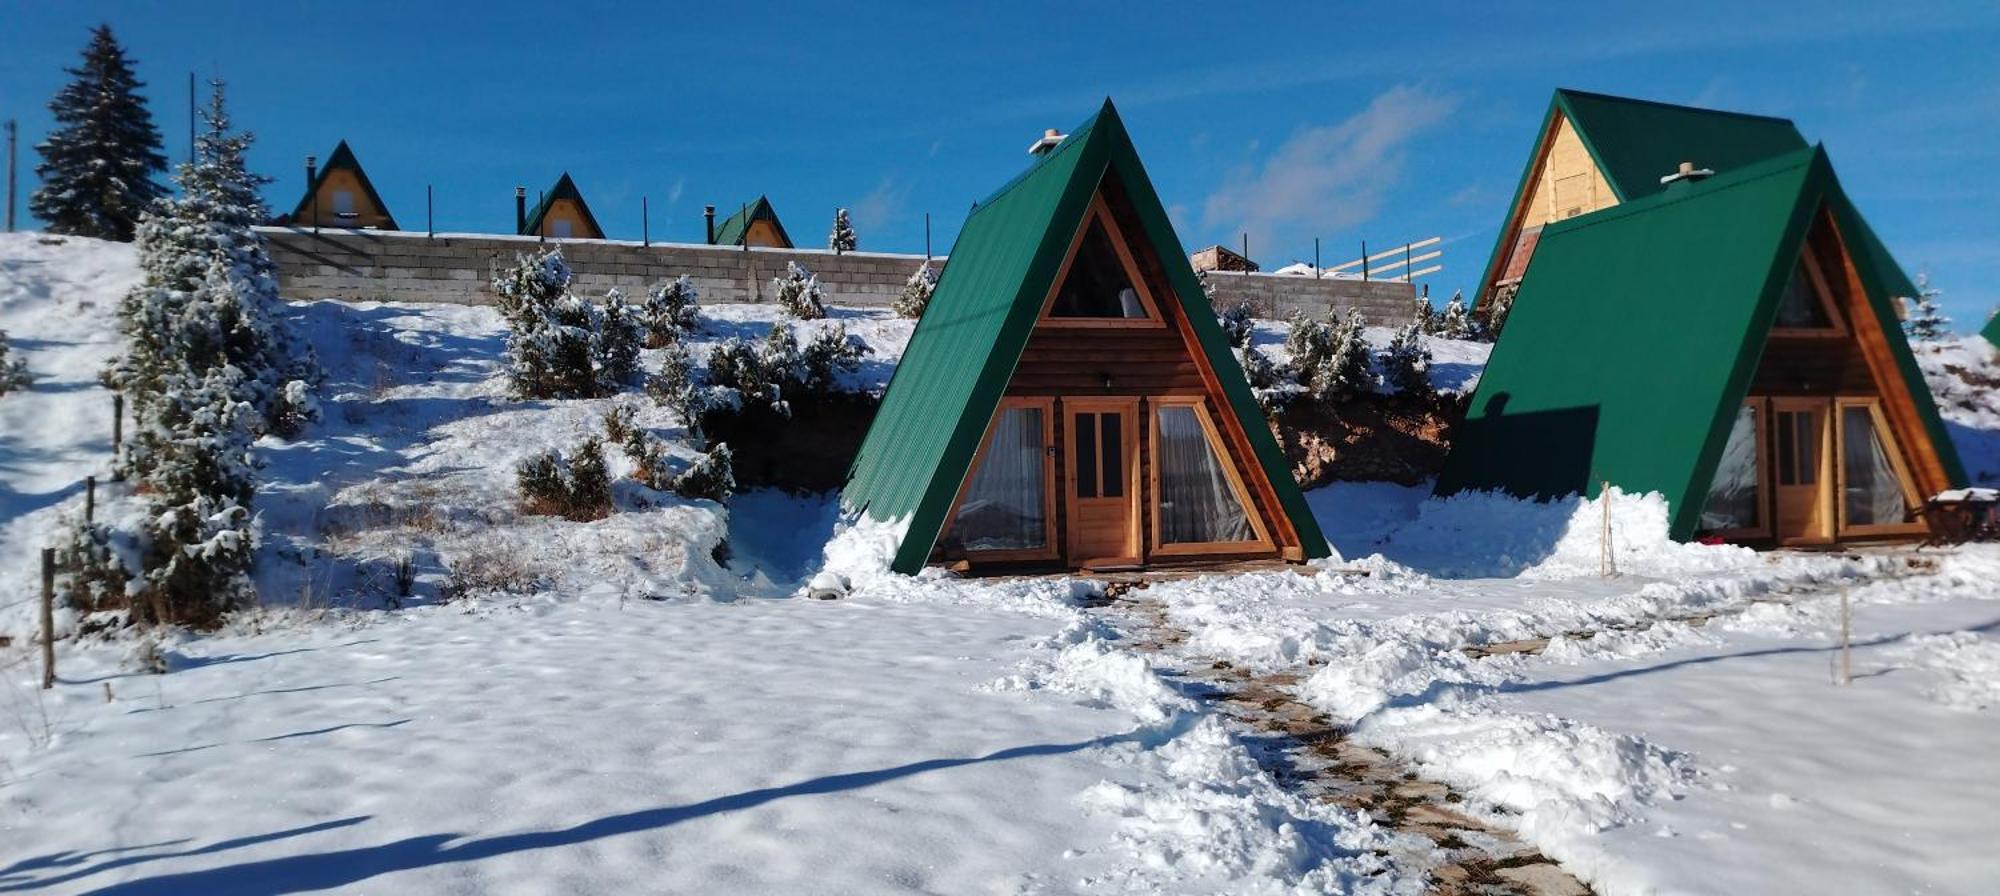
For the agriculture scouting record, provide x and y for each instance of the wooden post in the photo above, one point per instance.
(1315, 258)
(645, 223)
(430, 220)
(1364, 260)
(48, 618)
(1846, 636)
(1607, 567)
(117, 435)
(927, 236)
(89, 498)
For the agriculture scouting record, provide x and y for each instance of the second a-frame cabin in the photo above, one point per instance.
(1596, 151)
(339, 194)
(1726, 342)
(1067, 399)
(561, 214)
(755, 225)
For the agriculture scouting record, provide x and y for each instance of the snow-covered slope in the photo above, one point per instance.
(1964, 375)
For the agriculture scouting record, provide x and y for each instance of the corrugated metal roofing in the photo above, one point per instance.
(934, 414)
(1636, 332)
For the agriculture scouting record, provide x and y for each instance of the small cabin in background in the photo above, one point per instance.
(755, 224)
(339, 194)
(561, 213)
(1220, 258)
(1594, 152)
(1067, 400)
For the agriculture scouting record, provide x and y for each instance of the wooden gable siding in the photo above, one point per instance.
(366, 212)
(1068, 362)
(1565, 182)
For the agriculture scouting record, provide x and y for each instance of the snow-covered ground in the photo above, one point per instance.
(615, 709)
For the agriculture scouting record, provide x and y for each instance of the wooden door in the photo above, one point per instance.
(1102, 489)
(1801, 470)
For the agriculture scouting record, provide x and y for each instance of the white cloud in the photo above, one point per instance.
(881, 206)
(1328, 177)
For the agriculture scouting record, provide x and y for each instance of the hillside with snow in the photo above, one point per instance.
(617, 705)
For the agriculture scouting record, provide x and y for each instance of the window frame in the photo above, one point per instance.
(1816, 283)
(1100, 212)
(1767, 476)
(1049, 549)
(1912, 499)
(1261, 540)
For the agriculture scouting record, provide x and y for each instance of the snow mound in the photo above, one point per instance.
(1488, 534)
(1965, 666)
(1085, 663)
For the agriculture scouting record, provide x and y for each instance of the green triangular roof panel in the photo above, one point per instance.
(734, 228)
(951, 378)
(1637, 331)
(342, 159)
(1992, 331)
(565, 188)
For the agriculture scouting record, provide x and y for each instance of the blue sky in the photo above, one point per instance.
(1383, 122)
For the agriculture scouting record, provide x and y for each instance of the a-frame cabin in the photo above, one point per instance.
(1726, 343)
(1068, 399)
(561, 214)
(755, 225)
(339, 194)
(1595, 151)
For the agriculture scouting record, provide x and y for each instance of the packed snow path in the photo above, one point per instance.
(1308, 752)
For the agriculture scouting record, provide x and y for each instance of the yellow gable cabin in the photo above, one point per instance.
(561, 214)
(340, 195)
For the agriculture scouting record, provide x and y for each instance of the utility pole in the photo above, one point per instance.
(13, 131)
(191, 153)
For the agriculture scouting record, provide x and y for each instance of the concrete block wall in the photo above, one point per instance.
(366, 265)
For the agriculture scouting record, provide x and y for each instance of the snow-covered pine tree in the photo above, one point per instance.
(712, 477)
(1492, 316)
(1309, 343)
(13, 373)
(675, 388)
(671, 311)
(799, 293)
(826, 356)
(198, 535)
(620, 333)
(1425, 315)
(1406, 363)
(1238, 323)
(98, 164)
(1456, 321)
(552, 344)
(917, 290)
(842, 238)
(1346, 372)
(1926, 322)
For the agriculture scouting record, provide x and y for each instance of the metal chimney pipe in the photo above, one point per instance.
(520, 209)
(708, 213)
(312, 170)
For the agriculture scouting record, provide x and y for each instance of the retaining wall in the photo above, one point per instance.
(367, 265)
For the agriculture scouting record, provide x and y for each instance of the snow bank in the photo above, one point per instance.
(1964, 666)
(1964, 375)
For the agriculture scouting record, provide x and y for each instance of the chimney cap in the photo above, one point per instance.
(1048, 141)
(1687, 172)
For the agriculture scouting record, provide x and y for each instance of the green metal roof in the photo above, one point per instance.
(1992, 331)
(920, 447)
(1635, 142)
(733, 228)
(1636, 334)
(343, 159)
(564, 189)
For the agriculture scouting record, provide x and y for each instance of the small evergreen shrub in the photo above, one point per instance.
(14, 373)
(674, 387)
(1455, 322)
(1425, 316)
(1238, 323)
(1406, 363)
(575, 486)
(1926, 322)
(711, 478)
(97, 564)
(799, 293)
(671, 311)
(917, 291)
(1329, 357)
(842, 238)
(621, 333)
(830, 353)
(559, 345)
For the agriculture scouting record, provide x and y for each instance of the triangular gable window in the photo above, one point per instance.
(1100, 284)
(1807, 304)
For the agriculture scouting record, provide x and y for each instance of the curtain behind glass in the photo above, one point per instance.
(1873, 494)
(1003, 504)
(1732, 498)
(1196, 502)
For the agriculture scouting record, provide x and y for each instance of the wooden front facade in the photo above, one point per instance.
(1099, 390)
(1837, 456)
(1563, 182)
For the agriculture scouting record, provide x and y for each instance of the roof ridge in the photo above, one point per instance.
(1637, 101)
